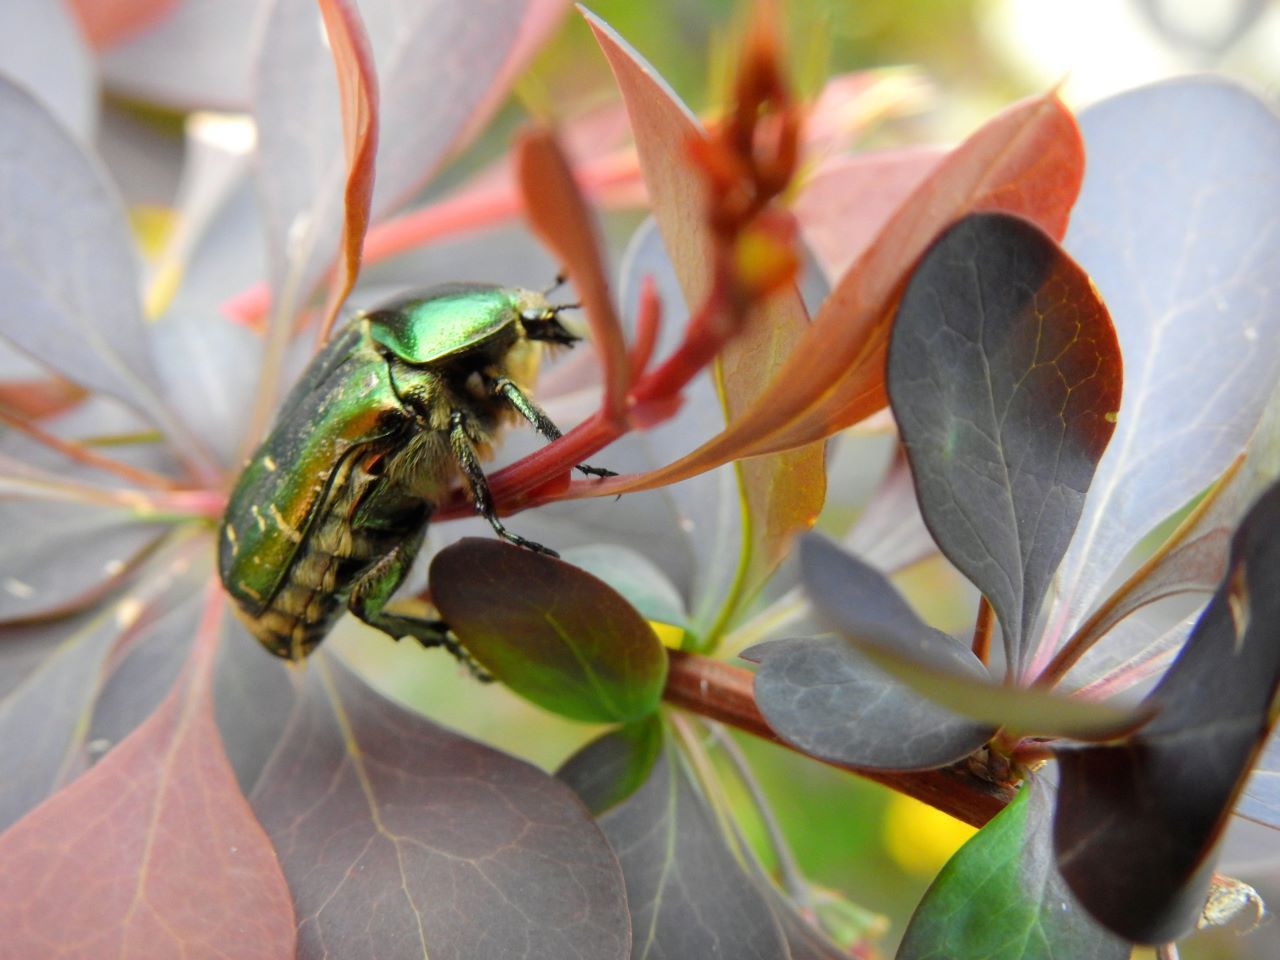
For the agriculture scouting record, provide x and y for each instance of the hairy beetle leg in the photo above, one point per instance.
(374, 590)
(432, 633)
(539, 420)
(464, 452)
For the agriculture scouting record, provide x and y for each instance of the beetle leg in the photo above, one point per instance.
(537, 417)
(374, 590)
(464, 452)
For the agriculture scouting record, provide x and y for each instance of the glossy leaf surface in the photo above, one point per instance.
(827, 697)
(688, 895)
(553, 633)
(1137, 822)
(1027, 160)
(1177, 225)
(1004, 377)
(397, 836)
(1001, 897)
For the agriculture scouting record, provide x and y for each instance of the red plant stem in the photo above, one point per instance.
(982, 631)
(723, 692)
(648, 321)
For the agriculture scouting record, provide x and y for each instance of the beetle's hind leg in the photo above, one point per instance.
(539, 420)
(464, 452)
(374, 590)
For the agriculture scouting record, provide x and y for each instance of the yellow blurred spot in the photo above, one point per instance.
(764, 259)
(919, 838)
(670, 636)
(164, 285)
(153, 226)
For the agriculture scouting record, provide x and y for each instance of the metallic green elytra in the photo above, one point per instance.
(332, 508)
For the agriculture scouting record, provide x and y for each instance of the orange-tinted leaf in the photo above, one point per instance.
(784, 493)
(153, 853)
(559, 214)
(358, 94)
(1027, 160)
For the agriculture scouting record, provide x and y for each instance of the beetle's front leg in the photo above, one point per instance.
(374, 590)
(537, 417)
(464, 452)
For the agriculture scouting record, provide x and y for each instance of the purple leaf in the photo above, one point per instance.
(398, 836)
(1177, 224)
(1137, 822)
(1004, 377)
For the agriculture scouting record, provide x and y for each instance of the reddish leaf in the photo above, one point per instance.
(558, 213)
(358, 94)
(784, 493)
(153, 853)
(849, 200)
(1027, 160)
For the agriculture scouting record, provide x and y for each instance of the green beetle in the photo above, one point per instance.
(333, 506)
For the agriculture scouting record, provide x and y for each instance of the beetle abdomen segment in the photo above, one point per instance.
(334, 554)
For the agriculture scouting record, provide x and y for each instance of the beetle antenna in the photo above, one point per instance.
(561, 279)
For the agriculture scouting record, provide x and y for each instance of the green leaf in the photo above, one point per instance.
(1001, 898)
(609, 769)
(551, 632)
(634, 576)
